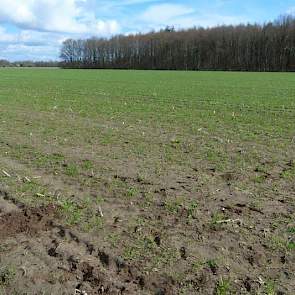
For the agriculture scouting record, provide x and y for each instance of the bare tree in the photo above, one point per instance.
(267, 47)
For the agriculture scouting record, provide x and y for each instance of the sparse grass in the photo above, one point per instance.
(71, 210)
(259, 178)
(212, 263)
(148, 199)
(270, 288)
(277, 242)
(174, 205)
(7, 275)
(223, 287)
(95, 222)
(291, 230)
(139, 245)
(215, 220)
(87, 164)
(130, 253)
(291, 245)
(132, 192)
(170, 137)
(192, 209)
(289, 173)
(72, 170)
(113, 239)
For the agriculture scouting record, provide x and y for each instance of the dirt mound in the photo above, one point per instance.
(40, 255)
(28, 221)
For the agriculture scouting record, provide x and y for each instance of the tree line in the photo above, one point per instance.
(28, 64)
(245, 47)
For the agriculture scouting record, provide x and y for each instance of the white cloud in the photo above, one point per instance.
(29, 37)
(21, 52)
(68, 16)
(181, 16)
(29, 44)
(40, 26)
(209, 20)
(164, 13)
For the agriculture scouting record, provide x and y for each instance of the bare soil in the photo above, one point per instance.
(51, 259)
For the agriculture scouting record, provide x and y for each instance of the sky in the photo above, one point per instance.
(35, 29)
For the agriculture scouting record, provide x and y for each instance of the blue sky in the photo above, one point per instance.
(35, 29)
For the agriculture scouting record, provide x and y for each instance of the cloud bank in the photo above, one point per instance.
(67, 16)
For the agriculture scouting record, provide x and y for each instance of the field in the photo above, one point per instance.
(145, 182)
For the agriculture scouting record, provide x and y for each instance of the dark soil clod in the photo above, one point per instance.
(104, 258)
